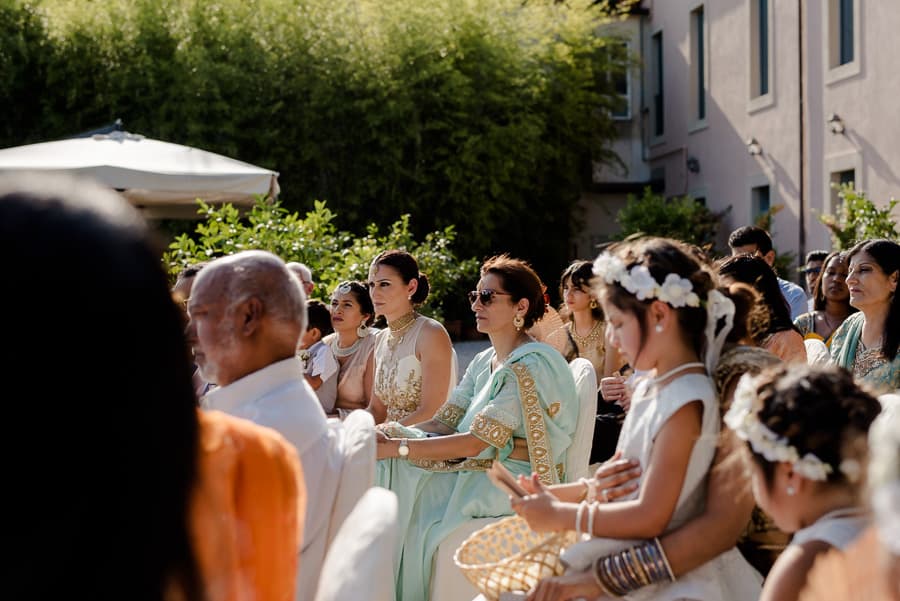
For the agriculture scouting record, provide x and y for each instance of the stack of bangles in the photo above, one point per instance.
(632, 569)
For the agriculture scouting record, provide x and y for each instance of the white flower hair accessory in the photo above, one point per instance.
(675, 290)
(743, 418)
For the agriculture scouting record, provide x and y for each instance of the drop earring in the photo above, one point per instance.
(790, 491)
(362, 330)
(518, 322)
(593, 304)
(659, 328)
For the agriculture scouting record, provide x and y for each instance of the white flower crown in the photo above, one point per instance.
(743, 418)
(675, 290)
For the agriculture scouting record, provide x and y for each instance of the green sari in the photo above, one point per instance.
(868, 366)
(530, 396)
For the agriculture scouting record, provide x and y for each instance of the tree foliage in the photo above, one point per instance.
(858, 218)
(481, 113)
(332, 255)
(680, 218)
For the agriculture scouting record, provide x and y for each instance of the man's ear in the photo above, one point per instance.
(251, 313)
(770, 257)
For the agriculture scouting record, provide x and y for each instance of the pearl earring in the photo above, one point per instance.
(790, 491)
(659, 328)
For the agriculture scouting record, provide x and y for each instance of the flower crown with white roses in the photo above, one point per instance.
(743, 418)
(675, 290)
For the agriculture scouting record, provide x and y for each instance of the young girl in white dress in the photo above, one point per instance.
(658, 301)
(805, 429)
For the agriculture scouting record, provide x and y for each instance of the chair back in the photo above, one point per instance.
(579, 454)
(357, 440)
(360, 562)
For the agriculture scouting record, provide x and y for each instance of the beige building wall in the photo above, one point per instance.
(723, 172)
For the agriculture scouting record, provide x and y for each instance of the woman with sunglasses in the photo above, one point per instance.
(437, 468)
(831, 301)
(415, 368)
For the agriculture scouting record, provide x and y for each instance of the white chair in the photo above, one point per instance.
(357, 442)
(360, 562)
(448, 583)
(579, 456)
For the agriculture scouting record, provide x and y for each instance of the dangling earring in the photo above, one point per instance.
(790, 491)
(362, 331)
(518, 322)
(659, 328)
(593, 304)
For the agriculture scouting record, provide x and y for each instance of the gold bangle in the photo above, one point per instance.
(595, 572)
(665, 559)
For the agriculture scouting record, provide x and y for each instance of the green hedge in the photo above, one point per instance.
(476, 113)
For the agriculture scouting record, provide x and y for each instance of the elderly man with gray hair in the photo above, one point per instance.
(247, 312)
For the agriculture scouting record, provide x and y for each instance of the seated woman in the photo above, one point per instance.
(831, 301)
(782, 338)
(666, 313)
(867, 343)
(352, 344)
(415, 367)
(805, 430)
(516, 403)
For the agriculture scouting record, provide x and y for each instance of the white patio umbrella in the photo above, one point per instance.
(161, 177)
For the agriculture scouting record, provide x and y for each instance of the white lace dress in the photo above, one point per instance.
(728, 576)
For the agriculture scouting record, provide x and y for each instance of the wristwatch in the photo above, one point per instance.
(404, 448)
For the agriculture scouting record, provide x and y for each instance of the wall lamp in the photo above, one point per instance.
(753, 147)
(693, 165)
(835, 124)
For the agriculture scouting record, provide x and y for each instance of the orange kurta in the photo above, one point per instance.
(247, 511)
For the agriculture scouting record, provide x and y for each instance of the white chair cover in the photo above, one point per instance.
(358, 470)
(816, 352)
(360, 562)
(579, 456)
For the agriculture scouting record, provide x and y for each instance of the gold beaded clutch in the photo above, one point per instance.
(508, 556)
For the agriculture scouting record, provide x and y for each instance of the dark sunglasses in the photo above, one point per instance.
(486, 296)
(813, 270)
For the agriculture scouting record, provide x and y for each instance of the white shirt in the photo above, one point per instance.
(278, 397)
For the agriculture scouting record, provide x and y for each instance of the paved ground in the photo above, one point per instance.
(466, 350)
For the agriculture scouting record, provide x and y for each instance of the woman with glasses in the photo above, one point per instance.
(414, 363)
(516, 403)
(867, 342)
(831, 301)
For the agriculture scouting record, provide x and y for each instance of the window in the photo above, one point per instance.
(761, 201)
(759, 47)
(698, 60)
(656, 54)
(620, 79)
(838, 179)
(842, 32)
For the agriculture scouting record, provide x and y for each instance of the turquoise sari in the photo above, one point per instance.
(531, 396)
(870, 367)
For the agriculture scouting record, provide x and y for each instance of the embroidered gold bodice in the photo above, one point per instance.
(398, 372)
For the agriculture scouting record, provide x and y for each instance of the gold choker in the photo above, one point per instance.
(402, 323)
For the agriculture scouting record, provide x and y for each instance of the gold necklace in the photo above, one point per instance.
(399, 328)
(585, 341)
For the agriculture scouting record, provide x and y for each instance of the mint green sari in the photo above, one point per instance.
(531, 396)
(868, 366)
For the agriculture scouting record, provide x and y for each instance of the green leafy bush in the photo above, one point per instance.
(859, 219)
(332, 255)
(680, 218)
(480, 113)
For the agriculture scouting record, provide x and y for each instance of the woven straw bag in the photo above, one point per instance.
(508, 556)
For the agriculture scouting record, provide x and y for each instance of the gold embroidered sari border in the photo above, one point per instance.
(535, 427)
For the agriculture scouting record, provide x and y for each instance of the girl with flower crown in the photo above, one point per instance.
(665, 314)
(805, 429)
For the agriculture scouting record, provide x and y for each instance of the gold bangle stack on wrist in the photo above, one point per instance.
(632, 569)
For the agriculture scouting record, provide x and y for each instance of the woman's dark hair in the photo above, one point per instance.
(405, 264)
(887, 254)
(114, 410)
(361, 296)
(520, 281)
(754, 271)
(818, 291)
(818, 410)
(580, 274)
(751, 317)
(662, 256)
